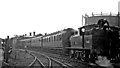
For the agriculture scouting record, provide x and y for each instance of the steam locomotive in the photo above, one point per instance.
(96, 40)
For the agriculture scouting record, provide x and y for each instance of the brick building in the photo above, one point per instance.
(113, 19)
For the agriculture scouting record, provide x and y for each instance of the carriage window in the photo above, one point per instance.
(57, 37)
(49, 39)
(43, 40)
(46, 40)
(60, 37)
(54, 38)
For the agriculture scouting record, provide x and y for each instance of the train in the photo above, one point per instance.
(91, 43)
(57, 40)
(87, 44)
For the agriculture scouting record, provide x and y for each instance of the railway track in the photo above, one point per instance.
(36, 62)
(88, 65)
(44, 61)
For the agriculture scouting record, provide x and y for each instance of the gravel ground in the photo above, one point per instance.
(20, 58)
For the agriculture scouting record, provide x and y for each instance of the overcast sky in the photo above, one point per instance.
(46, 16)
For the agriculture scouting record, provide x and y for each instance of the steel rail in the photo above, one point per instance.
(36, 59)
(52, 59)
(30, 54)
(32, 61)
(62, 64)
(43, 66)
(50, 62)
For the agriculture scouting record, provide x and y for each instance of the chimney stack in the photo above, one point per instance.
(25, 34)
(7, 37)
(45, 33)
(30, 34)
(33, 33)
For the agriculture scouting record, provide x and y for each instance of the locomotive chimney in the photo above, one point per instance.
(25, 34)
(30, 33)
(45, 33)
(7, 37)
(33, 33)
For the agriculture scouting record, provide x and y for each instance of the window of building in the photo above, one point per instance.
(54, 38)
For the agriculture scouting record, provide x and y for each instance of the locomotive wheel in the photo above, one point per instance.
(71, 53)
(77, 55)
(85, 56)
(82, 56)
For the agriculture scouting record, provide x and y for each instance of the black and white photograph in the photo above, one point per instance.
(60, 34)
